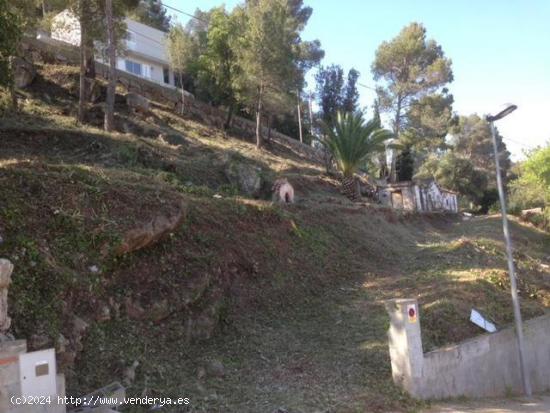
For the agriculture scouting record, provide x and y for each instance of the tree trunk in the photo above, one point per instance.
(82, 85)
(396, 130)
(110, 104)
(300, 119)
(11, 87)
(229, 117)
(269, 120)
(310, 117)
(182, 111)
(259, 118)
(350, 188)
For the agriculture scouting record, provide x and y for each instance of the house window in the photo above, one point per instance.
(166, 74)
(131, 41)
(133, 67)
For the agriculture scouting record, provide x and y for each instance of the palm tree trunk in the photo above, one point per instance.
(349, 188)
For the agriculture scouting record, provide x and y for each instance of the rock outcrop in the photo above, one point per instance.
(23, 72)
(151, 231)
(137, 102)
(246, 177)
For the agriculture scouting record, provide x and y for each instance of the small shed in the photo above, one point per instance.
(420, 196)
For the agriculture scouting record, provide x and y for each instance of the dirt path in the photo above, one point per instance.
(538, 404)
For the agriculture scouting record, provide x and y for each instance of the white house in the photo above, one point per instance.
(418, 196)
(145, 54)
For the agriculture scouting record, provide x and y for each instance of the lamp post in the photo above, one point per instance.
(511, 269)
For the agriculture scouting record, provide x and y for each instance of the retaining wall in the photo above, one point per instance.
(485, 366)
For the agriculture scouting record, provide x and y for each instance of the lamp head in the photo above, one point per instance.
(506, 110)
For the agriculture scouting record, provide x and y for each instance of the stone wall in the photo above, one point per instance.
(485, 366)
(53, 50)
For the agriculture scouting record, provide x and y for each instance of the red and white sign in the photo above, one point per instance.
(412, 313)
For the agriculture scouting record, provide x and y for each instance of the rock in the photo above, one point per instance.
(247, 177)
(60, 58)
(36, 56)
(137, 102)
(39, 341)
(104, 313)
(6, 268)
(61, 344)
(24, 72)
(130, 373)
(96, 92)
(215, 368)
(201, 373)
(79, 326)
(151, 231)
(160, 310)
(133, 311)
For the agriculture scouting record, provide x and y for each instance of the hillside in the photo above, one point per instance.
(289, 299)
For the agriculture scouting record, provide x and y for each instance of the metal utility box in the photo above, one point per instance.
(37, 371)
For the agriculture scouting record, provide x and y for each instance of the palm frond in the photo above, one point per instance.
(351, 141)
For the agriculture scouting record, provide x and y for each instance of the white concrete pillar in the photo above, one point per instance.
(405, 344)
(6, 268)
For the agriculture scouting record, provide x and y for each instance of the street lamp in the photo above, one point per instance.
(511, 270)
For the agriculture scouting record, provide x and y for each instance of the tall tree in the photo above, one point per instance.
(84, 17)
(91, 16)
(334, 93)
(110, 103)
(179, 45)
(10, 33)
(152, 13)
(471, 138)
(408, 67)
(350, 101)
(532, 187)
(271, 55)
(218, 65)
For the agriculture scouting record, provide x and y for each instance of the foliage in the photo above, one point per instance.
(218, 66)
(10, 33)
(471, 139)
(532, 188)
(351, 141)
(335, 95)
(272, 55)
(457, 173)
(179, 45)
(410, 68)
(152, 13)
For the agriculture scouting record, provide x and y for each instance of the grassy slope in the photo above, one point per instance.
(301, 320)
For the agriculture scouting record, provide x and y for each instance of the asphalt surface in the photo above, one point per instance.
(537, 404)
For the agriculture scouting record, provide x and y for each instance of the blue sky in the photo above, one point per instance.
(500, 51)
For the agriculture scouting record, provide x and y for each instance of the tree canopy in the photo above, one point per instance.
(152, 13)
(409, 69)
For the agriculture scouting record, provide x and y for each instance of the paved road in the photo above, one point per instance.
(538, 404)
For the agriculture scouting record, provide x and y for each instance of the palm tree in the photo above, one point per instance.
(351, 141)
